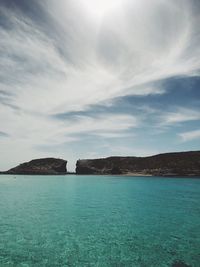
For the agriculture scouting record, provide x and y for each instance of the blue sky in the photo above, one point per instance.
(91, 78)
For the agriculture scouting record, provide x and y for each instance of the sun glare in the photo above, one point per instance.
(99, 8)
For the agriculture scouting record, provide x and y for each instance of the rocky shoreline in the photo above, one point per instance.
(45, 166)
(179, 164)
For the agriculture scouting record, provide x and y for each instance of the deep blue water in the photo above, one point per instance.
(99, 221)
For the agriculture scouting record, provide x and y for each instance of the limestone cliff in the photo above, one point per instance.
(45, 166)
(168, 164)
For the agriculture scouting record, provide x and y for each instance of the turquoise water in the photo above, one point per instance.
(99, 221)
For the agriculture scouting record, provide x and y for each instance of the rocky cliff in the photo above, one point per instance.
(45, 166)
(168, 164)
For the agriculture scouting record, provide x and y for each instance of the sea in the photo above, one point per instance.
(99, 221)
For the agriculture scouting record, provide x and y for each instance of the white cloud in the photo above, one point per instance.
(35, 129)
(112, 134)
(189, 136)
(105, 123)
(179, 115)
(104, 62)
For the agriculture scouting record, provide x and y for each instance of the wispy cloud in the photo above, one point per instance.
(116, 60)
(179, 115)
(189, 136)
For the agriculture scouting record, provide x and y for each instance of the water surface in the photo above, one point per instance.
(99, 221)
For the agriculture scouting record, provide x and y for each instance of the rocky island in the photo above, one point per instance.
(168, 164)
(44, 166)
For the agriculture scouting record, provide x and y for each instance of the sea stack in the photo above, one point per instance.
(44, 166)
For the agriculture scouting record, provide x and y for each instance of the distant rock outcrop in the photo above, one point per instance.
(45, 166)
(168, 164)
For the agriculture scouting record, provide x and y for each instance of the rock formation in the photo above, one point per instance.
(168, 164)
(45, 166)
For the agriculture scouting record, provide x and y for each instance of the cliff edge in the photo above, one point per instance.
(44, 166)
(168, 164)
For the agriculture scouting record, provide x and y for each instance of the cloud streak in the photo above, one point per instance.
(189, 136)
(179, 116)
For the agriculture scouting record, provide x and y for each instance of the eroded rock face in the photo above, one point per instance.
(168, 164)
(45, 166)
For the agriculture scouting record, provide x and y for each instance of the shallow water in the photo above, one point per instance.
(99, 221)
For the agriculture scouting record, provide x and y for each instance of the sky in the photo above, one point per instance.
(97, 78)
